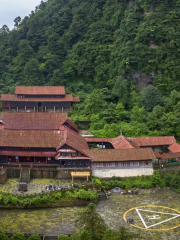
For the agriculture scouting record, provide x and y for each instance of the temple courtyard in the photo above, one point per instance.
(156, 213)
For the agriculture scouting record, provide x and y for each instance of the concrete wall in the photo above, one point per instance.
(108, 173)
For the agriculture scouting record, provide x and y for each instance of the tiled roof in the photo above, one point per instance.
(14, 98)
(32, 139)
(40, 90)
(107, 155)
(76, 99)
(72, 124)
(170, 155)
(119, 142)
(27, 154)
(33, 121)
(175, 147)
(123, 143)
(73, 140)
(153, 141)
(99, 140)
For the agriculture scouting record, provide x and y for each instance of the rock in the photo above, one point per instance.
(142, 80)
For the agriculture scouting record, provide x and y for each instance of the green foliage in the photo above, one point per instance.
(3, 236)
(87, 195)
(91, 221)
(18, 236)
(150, 97)
(156, 178)
(34, 237)
(48, 198)
(63, 237)
(97, 49)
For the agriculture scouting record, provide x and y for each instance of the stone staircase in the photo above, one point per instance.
(102, 196)
(25, 175)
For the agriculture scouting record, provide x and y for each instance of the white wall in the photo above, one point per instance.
(107, 173)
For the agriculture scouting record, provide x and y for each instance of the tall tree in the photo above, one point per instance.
(91, 221)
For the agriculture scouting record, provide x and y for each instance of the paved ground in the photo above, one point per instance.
(61, 220)
(113, 210)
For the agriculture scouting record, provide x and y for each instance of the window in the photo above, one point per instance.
(74, 163)
(122, 164)
(98, 164)
(69, 163)
(146, 163)
(80, 163)
(133, 164)
(110, 164)
(87, 162)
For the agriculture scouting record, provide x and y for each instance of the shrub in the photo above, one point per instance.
(18, 236)
(87, 195)
(162, 183)
(34, 237)
(128, 184)
(63, 237)
(114, 178)
(70, 196)
(36, 200)
(3, 236)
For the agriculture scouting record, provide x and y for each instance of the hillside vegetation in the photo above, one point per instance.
(95, 48)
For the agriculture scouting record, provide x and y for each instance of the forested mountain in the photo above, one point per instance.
(106, 51)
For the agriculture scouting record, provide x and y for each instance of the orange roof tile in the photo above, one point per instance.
(72, 124)
(123, 143)
(76, 99)
(175, 147)
(32, 139)
(153, 141)
(119, 142)
(107, 155)
(170, 155)
(32, 121)
(73, 140)
(14, 98)
(40, 90)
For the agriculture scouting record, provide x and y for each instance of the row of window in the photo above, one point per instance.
(122, 164)
(74, 163)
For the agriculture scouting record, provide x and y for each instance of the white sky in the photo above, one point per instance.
(10, 9)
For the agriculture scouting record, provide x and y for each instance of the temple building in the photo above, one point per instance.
(35, 131)
(38, 99)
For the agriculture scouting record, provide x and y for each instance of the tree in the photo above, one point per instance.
(120, 112)
(156, 178)
(111, 235)
(3, 236)
(17, 21)
(138, 114)
(18, 236)
(124, 233)
(32, 74)
(150, 97)
(63, 237)
(34, 237)
(84, 235)
(92, 222)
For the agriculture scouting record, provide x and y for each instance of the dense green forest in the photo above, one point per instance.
(95, 48)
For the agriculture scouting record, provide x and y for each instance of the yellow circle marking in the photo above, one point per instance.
(165, 229)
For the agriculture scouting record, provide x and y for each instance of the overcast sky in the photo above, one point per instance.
(10, 9)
